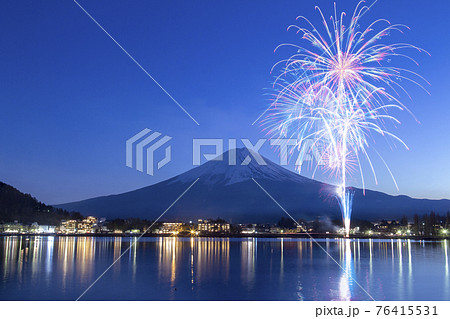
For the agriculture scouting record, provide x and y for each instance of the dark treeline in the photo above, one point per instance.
(428, 224)
(431, 224)
(129, 224)
(322, 225)
(15, 205)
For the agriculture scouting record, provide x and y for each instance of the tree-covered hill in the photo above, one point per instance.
(15, 205)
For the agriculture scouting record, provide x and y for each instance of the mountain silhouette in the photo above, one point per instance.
(230, 192)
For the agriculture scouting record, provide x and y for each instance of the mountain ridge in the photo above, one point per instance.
(16, 205)
(228, 191)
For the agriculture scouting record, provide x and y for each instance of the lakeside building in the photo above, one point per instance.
(68, 226)
(248, 229)
(13, 228)
(87, 225)
(42, 229)
(268, 229)
(102, 226)
(263, 228)
(34, 228)
(133, 232)
(275, 230)
(213, 226)
(169, 228)
(387, 227)
(46, 229)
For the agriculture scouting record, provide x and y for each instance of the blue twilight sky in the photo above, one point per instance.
(69, 97)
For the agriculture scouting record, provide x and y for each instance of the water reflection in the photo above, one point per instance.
(206, 258)
(346, 280)
(248, 260)
(447, 279)
(223, 269)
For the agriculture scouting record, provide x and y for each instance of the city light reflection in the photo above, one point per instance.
(292, 268)
(346, 281)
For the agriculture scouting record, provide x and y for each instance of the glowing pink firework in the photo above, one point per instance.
(333, 94)
(349, 61)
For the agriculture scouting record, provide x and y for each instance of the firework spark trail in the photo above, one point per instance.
(339, 91)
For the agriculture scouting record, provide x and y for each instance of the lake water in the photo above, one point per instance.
(170, 268)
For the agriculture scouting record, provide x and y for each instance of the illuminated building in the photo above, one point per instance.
(170, 228)
(87, 225)
(42, 229)
(46, 229)
(14, 228)
(217, 226)
(133, 232)
(35, 228)
(248, 229)
(275, 230)
(68, 226)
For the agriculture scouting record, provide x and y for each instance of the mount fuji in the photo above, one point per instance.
(230, 192)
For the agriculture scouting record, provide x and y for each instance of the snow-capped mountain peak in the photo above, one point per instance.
(239, 165)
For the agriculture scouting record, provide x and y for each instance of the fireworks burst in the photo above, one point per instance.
(338, 92)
